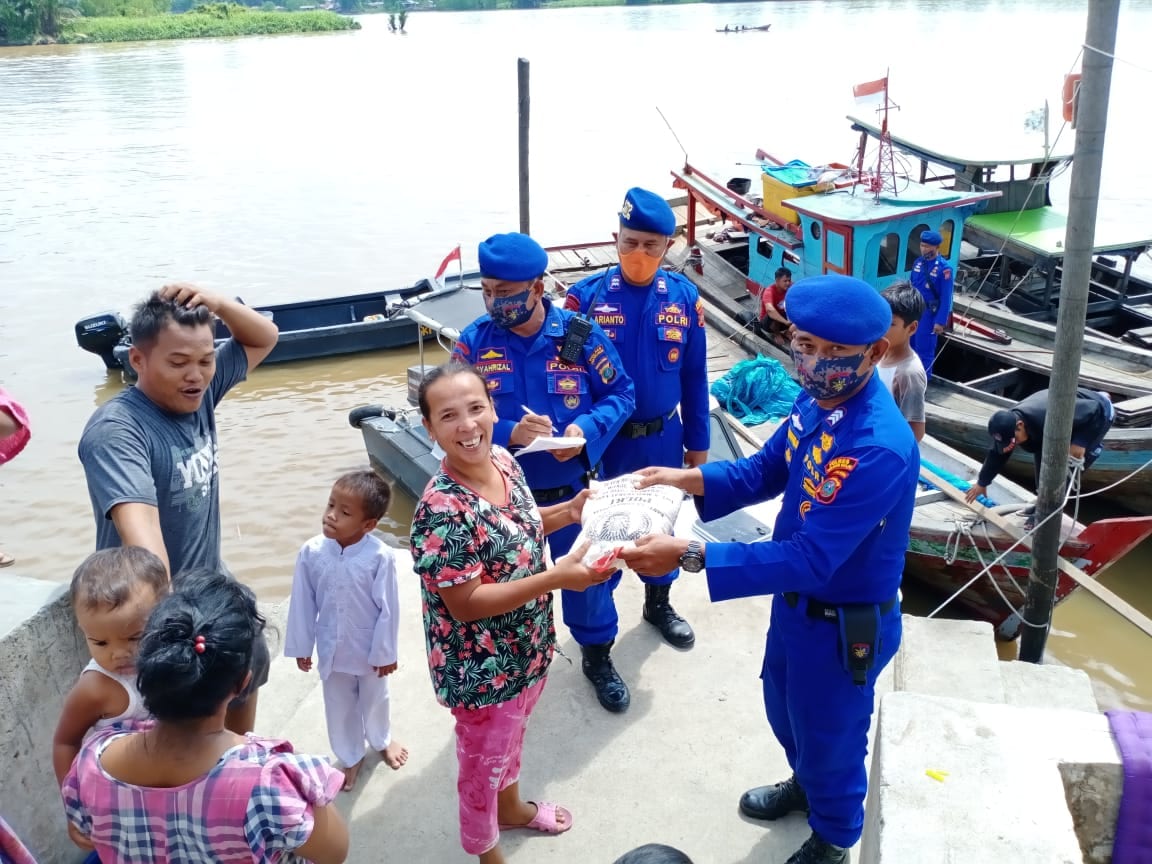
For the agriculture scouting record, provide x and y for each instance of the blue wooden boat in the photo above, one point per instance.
(843, 228)
(1018, 240)
(309, 329)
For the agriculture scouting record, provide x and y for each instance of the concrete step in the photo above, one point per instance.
(958, 658)
(1000, 768)
(1031, 685)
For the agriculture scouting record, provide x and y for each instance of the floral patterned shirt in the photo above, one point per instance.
(458, 536)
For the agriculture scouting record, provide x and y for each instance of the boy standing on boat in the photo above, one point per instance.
(847, 466)
(901, 369)
(932, 277)
(1023, 425)
(656, 321)
(550, 373)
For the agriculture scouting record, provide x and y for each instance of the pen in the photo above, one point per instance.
(530, 411)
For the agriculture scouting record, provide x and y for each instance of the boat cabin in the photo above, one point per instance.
(1019, 238)
(842, 229)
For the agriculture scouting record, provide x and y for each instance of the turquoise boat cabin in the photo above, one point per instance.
(818, 220)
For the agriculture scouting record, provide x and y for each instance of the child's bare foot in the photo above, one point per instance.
(394, 755)
(350, 775)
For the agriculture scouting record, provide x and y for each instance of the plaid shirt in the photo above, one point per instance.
(254, 805)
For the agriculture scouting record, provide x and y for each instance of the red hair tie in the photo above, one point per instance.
(198, 647)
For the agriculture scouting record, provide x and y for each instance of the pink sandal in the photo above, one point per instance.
(545, 819)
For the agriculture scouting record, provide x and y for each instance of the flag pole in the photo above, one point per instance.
(460, 261)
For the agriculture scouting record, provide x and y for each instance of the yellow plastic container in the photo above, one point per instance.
(794, 180)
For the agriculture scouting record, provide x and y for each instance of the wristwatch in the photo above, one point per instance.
(693, 558)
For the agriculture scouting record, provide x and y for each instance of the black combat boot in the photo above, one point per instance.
(817, 850)
(610, 687)
(659, 613)
(772, 802)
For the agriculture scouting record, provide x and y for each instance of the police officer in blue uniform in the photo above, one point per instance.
(656, 321)
(932, 277)
(517, 347)
(847, 464)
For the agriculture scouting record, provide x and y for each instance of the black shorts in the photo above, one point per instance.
(261, 663)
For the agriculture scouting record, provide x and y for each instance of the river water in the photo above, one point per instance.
(291, 167)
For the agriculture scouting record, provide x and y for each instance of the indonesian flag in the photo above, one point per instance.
(871, 92)
(454, 255)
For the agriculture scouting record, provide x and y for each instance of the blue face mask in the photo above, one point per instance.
(509, 312)
(826, 378)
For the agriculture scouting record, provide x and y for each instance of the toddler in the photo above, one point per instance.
(113, 591)
(344, 603)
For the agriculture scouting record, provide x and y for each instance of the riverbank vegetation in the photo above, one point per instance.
(30, 22)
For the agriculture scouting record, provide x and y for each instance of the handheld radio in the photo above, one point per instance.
(579, 329)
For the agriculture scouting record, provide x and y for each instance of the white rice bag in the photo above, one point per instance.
(618, 514)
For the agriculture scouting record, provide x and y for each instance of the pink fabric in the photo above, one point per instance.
(12, 851)
(13, 444)
(489, 742)
(255, 805)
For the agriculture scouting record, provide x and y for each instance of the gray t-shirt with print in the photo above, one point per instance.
(133, 451)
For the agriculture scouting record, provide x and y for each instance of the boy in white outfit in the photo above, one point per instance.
(344, 603)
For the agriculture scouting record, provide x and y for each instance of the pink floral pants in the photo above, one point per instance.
(489, 742)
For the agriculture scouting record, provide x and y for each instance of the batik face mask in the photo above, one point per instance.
(511, 311)
(825, 378)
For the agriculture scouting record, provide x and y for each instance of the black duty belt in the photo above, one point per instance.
(828, 611)
(644, 428)
(556, 493)
(858, 629)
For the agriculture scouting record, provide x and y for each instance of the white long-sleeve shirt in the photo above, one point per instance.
(344, 604)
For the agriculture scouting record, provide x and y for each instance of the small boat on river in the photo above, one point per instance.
(325, 327)
(744, 28)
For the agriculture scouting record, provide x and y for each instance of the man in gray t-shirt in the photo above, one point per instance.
(149, 453)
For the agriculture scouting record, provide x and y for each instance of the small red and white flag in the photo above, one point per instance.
(871, 92)
(454, 255)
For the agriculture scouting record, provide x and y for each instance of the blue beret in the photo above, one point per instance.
(646, 211)
(840, 309)
(932, 238)
(512, 258)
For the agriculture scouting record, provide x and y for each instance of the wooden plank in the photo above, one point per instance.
(1109, 598)
(995, 381)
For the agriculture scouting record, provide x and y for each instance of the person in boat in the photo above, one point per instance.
(773, 316)
(520, 346)
(901, 369)
(150, 453)
(187, 788)
(478, 545)
(848, 466)
(656, 320)
(932, 277)
(1022, 426)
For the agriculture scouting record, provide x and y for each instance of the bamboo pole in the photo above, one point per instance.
(1109, 598)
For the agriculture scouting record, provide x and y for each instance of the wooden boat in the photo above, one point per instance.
(950, 546)
(1018, 241)
(998, 372)
(947, 541)
(742, 28)
(325, 327)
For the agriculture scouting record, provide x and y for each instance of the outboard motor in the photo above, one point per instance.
(127, 373)
(100, 334)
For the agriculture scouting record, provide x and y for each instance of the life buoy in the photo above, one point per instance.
(1071, 94)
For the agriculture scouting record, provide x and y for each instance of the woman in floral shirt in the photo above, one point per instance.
(477, 540)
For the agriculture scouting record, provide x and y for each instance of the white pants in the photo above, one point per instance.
(356, 708)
